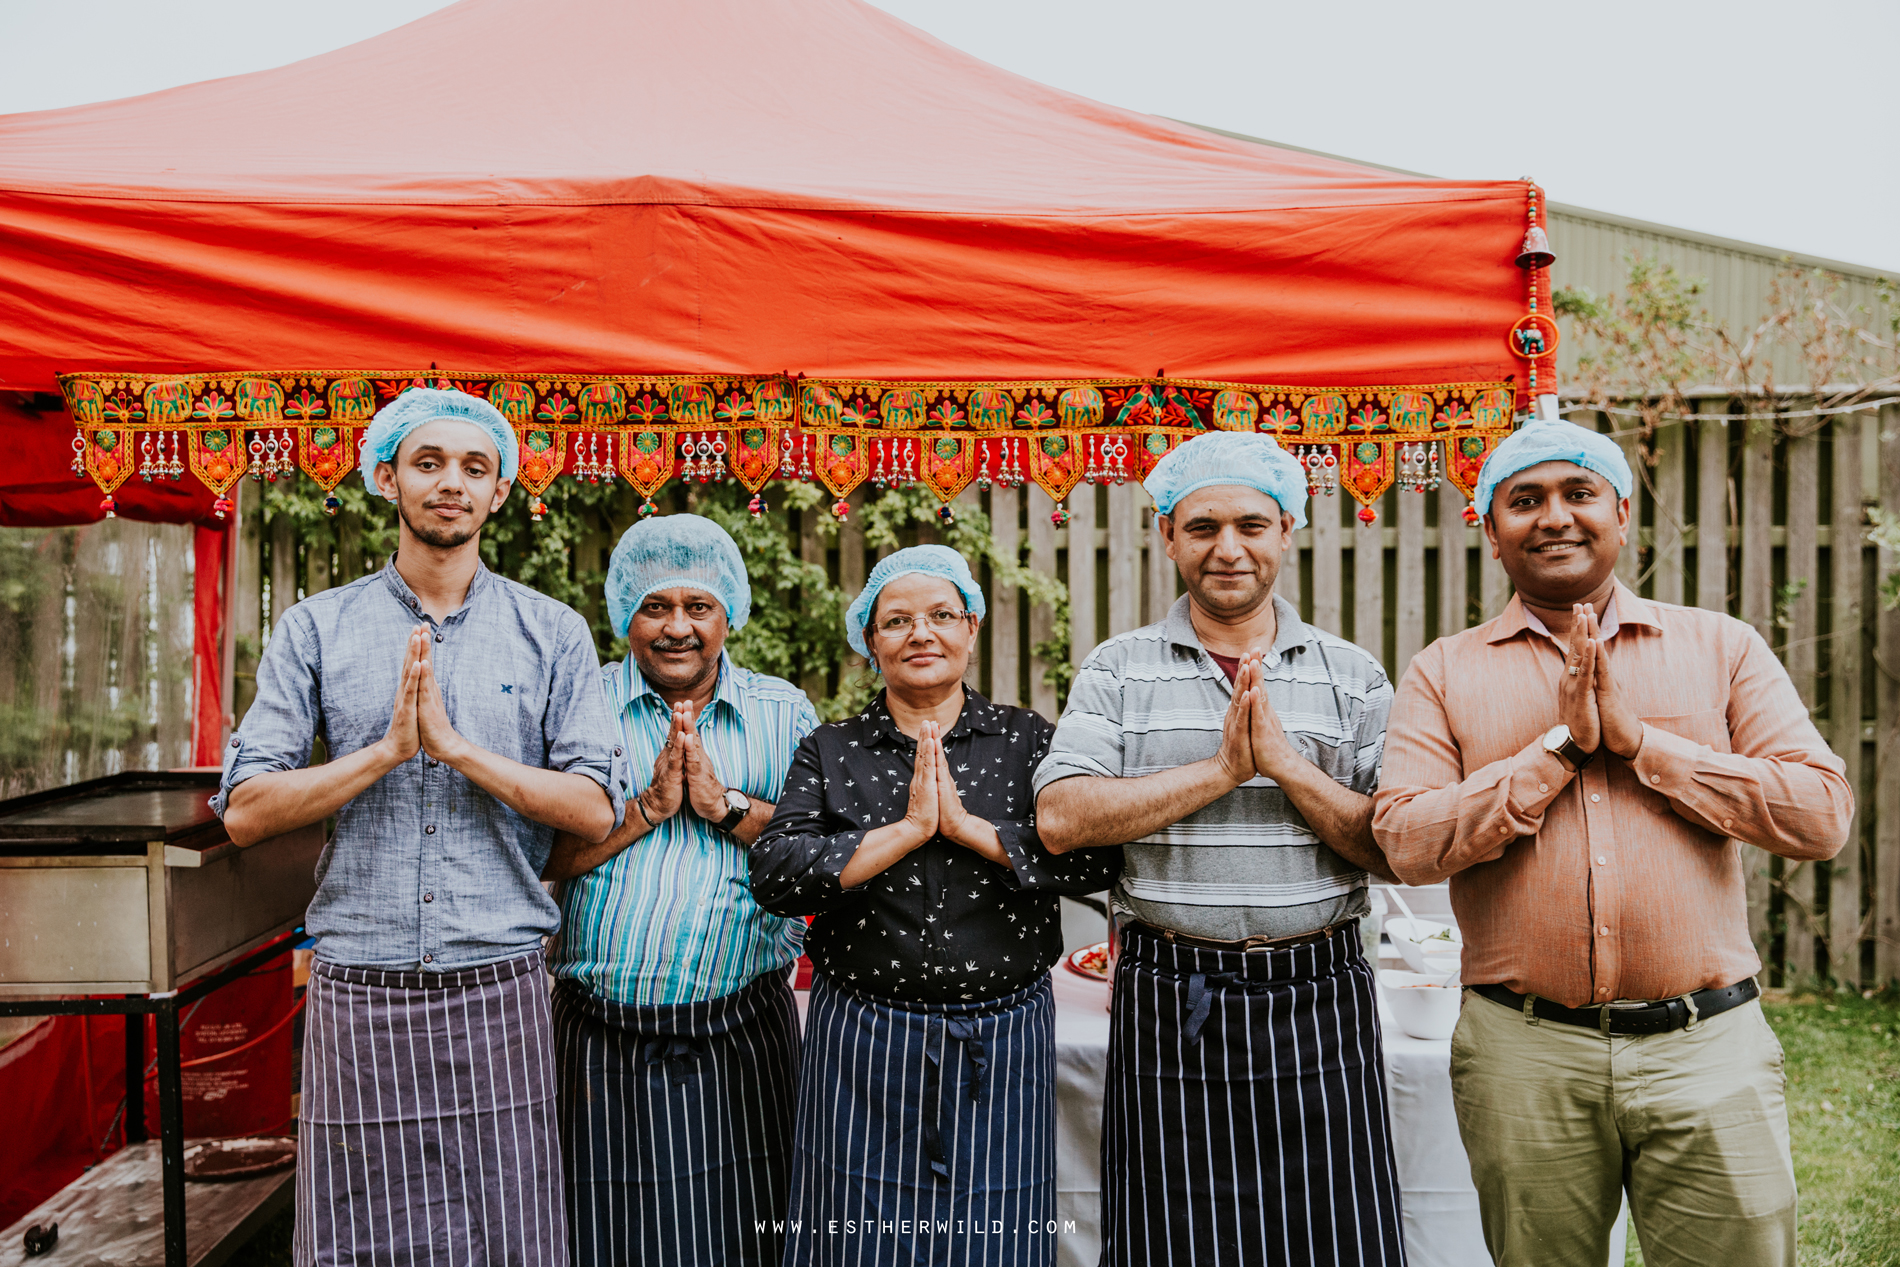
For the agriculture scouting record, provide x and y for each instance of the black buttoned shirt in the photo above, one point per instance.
(943, 924)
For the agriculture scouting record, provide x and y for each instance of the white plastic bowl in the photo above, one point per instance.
(1422, 1007)
(1414, 939)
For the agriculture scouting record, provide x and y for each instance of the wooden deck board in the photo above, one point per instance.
(113, 1215)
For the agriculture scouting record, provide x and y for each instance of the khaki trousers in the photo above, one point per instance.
(1558, 1120)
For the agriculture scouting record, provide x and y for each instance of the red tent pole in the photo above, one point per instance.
(228, 684)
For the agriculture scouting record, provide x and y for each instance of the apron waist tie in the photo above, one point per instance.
(678, 1053)
(974, 1048)
(1200, 1002)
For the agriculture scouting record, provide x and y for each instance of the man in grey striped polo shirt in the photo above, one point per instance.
(1232, 749)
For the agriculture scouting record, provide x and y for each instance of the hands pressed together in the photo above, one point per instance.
(417, 720)
(936, 807)
(1252, 740)
(1588, 699)
(683, 775)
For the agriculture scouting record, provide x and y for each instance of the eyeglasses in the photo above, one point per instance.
(943, 620)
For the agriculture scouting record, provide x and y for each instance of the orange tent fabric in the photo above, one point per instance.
(726, 186)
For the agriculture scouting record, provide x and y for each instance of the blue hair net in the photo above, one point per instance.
(394, 421)
(1552, 440)
(1229, 457)
(917, 560)
(673, 551)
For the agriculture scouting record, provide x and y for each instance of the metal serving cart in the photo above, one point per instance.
(124, 895)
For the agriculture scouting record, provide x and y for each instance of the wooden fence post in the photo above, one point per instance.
(1711, 510)
(1163, 578)
(1368, 585)
(1329, 586)
(1005, 621)
(1801, 557)
(1408, 625)
(1887, 729)
(1042, 558)
(1670, 528)
(1081, 530)
(1844, 692)
(1454, 603)
(1629, 437)
(1758, 609)
(1126, 502)
(811, 549)
(283, 566)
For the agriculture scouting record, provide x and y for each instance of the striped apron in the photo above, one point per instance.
(676, 1125)
(1245, 1117)
(926, 1132)
(426, 1132)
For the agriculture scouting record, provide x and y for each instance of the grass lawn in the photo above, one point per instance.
(1844, 1116)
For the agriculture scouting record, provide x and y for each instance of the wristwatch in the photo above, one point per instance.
(738, 805)
(1559, 744)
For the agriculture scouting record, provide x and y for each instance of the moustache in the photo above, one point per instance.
(694, 643)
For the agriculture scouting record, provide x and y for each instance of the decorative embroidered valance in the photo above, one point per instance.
(649, 429)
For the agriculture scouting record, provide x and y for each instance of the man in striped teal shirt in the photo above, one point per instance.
(675, 1031)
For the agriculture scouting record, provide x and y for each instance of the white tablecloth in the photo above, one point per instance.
(1439, 1203)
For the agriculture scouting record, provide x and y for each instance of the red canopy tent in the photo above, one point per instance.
(750, 219)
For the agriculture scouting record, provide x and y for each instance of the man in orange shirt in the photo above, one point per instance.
(1585, 768)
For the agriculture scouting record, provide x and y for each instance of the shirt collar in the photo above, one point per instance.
(978, 715)
(407, 597)
(1626, 607)
(1291, 630)
(727, 692)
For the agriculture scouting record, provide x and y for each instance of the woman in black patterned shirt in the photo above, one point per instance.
(927, 1097)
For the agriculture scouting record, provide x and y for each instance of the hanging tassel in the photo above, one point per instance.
(222, 506)
(757, 505)
(1060, 515)
(1471, 515)
(331, 505)
(841, 508)
(107, 505)
(647, 507)
(1367, 514)
(946, 514)
(537, 509)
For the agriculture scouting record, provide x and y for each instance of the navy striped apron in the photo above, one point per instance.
(426, 1131)
(926, 1132)
(1245, 1118)
(676, 1125)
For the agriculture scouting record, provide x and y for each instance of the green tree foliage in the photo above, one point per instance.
(797, 625)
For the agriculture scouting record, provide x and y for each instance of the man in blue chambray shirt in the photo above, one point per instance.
(464, 723)
(677, 1033)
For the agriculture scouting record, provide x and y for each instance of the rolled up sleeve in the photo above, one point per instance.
(285, 716)
(1089, 739)
(578, 729)
(798, 861)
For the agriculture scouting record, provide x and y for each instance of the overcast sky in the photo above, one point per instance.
(1773, 122)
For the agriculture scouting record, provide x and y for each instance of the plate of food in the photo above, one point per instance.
(1426, 945)
(1090, 961)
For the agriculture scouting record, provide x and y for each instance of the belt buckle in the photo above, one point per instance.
(1621, 1005)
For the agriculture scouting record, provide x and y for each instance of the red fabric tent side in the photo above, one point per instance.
(39, 490)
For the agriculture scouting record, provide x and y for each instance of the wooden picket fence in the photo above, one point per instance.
(1784, 508)
(1779, 563)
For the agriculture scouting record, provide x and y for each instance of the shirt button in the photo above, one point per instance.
(429, 830)
(1603, 989)
(234, 741)
(428, 897)
(1655, 778)
(1603, 932)
(1602, 861)
(1595, 797)
(438, 637)
(616, 752)
(1543, 787)
(428, 959)
(1728, 822)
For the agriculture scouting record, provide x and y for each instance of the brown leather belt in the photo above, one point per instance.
(1245, 944)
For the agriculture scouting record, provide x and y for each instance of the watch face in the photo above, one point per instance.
(737, 802)
(1556, 737)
